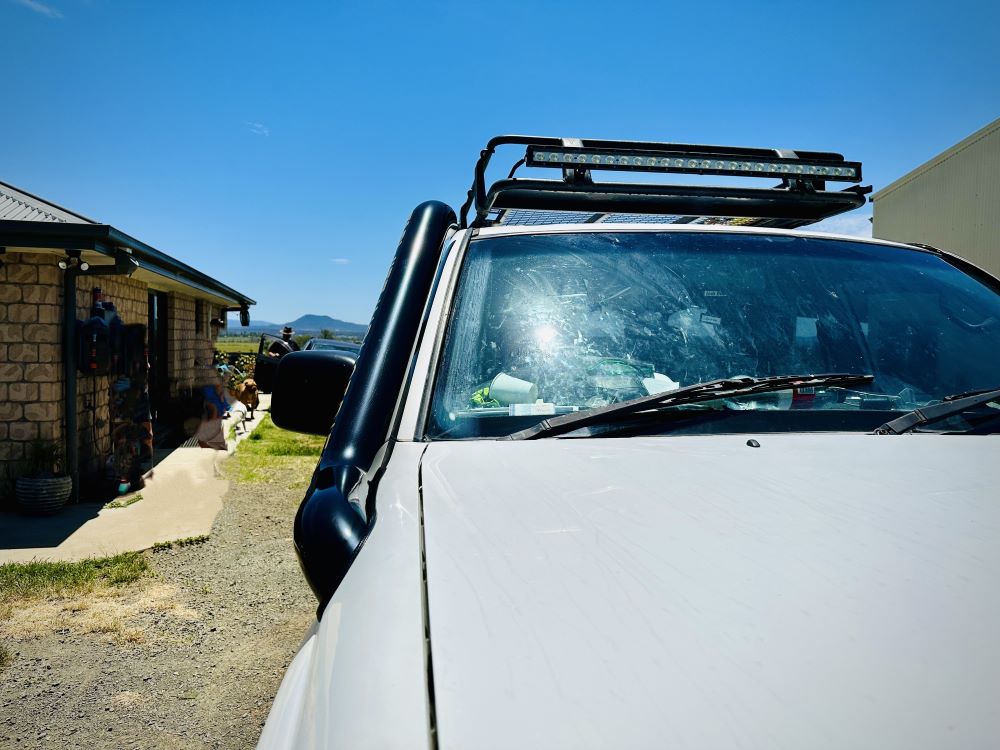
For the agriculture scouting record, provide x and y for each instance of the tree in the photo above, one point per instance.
(326, 333)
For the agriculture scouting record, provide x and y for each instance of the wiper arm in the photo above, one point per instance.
(949, 407)
(711, 390)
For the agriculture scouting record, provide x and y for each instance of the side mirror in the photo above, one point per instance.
(308, 388)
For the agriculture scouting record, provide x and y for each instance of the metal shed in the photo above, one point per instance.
(951, 202)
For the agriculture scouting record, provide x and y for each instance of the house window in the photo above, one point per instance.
(199, 316)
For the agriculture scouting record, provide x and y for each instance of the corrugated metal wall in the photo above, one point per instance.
(952, 202)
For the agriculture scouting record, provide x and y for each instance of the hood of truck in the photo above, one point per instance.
(820, 591)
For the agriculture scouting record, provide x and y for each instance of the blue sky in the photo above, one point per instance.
(281, 146)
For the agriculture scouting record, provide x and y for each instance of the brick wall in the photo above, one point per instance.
(31, 362)
(31, 390)
(93, 392)
(192, 344)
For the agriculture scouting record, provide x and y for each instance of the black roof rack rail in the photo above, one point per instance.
(800, 198)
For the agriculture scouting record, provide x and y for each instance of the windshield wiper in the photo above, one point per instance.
(949, 407)
(711, 390)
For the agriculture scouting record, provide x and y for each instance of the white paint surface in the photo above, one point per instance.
(822, 591)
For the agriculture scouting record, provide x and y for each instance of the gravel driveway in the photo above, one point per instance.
(190, 657)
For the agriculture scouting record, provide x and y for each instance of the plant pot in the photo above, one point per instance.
(43, 495)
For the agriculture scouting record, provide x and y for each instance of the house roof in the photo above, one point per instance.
(30, 223)
(17, 205)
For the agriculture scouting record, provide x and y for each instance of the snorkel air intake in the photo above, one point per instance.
(329, 529)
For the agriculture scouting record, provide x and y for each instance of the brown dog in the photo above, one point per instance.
(246, 393)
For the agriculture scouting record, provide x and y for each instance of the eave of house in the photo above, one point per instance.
(99, 243)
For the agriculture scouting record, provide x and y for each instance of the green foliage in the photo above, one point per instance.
(301, 339)
(124, 502)
(37, 579)
(185, 542)
(326, 333)
(43, 458)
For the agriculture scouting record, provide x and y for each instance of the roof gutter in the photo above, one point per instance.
(105, 239)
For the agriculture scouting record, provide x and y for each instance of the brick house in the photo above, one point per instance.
(50, 255)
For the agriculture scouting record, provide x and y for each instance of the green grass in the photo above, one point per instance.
(268, 449)
(38, 579)
(124, 502)
(185, 542)
(232, 345)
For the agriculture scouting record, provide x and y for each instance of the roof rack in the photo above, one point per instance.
(801, 197)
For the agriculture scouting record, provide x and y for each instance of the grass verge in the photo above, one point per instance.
(268, 451)
(124, 502)
(38, 579)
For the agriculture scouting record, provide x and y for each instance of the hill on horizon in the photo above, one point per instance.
(303, 324)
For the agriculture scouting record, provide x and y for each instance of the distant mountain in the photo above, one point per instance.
(316, 323)
(305, 324)
(255, 325)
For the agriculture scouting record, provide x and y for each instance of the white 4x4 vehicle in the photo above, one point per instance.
(612, 483)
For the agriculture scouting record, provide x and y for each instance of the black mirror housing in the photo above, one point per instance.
(308, 390)
(244, 317)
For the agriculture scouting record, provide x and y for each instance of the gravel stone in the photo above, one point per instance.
(203, 682)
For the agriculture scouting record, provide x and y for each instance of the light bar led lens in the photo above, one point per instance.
(654, 162)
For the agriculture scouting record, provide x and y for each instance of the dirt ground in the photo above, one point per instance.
(189, 657)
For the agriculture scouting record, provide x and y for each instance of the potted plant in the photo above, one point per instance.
(41, 488)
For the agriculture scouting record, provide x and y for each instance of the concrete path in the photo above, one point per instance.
(182, 496)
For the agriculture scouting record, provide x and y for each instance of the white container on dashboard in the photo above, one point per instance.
(510, 390)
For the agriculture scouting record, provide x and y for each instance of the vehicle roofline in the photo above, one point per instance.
(504, 230)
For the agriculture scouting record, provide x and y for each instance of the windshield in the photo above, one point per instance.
(555, 323)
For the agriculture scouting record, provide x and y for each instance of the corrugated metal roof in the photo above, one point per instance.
(938, 160)
(17, 205)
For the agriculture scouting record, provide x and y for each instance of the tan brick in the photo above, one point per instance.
(22, 352)
(23, 392)
(11, 332)
(41, 373)
(50, 391)
(10, 371)
(9, 292)
(41, 333)
(10, 411)
(41, 294)
(21, 273)
(23, 430)
(49, 352)
(21, 313)
(48, 314)
(3, 313)
(11, 451)
(49, 275)
(3, 352)
(49, 430)
(46, 412)
(3, 435)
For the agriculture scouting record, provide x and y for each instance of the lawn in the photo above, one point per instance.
(270, 451)
(237, 344)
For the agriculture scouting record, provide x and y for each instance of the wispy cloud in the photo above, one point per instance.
(46, 10)
(856, 225)
(340, 261)
(257, 128)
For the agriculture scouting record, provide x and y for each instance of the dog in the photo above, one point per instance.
(246, 394)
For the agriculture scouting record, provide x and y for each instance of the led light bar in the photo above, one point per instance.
(687, 163)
